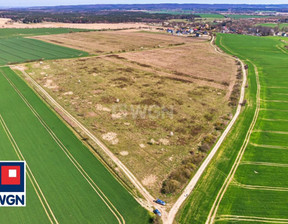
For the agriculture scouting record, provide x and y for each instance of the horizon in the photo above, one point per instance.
(54, 3)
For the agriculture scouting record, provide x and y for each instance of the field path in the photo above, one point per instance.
(189, 188)
(212, 214)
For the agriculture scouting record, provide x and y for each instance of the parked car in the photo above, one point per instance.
(160, 202)
(157, 212)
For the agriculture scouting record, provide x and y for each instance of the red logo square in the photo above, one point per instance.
(10, 175)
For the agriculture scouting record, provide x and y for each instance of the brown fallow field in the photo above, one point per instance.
(156, 107)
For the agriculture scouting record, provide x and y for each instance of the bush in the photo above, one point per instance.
(170, 186)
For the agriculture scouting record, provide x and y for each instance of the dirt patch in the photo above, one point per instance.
(112, 42)
(50, 84)
(149, 180)
(196, 60)
(91, 114)
(111, 137)
(100, 107)
(164, 141)
(124, 153)
(68, 93)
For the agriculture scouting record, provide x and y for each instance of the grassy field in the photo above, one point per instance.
(197, 92)
(74, 184)
(258, 188)
(15, 48)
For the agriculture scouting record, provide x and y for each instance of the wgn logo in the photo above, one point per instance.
(12, 184)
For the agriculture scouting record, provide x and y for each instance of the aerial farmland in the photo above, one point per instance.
(146, 113)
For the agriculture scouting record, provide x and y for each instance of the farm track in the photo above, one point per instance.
(191, 185)
(103, 197)
(212, 214)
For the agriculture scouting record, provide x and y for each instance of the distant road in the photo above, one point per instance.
(195, 179)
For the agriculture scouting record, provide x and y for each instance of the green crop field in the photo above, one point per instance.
(15, 48)
(14, 32)
(238, 16)
(273, 25)
(210, 15)
(65, 181)
(258, 191)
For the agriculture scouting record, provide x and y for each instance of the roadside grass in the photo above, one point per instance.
(194, 108)
(70, 196)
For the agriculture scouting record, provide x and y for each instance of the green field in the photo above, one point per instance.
(238, 16)
(15, 48)
(65, 181)
(14, 32)
(273, 25)
(210, 15)
(259, 187)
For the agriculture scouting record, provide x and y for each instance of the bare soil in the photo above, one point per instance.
(113, 41)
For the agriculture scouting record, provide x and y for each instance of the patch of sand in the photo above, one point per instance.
(111, 137)
(102, 108)
(50, 84)
(149, 180)
(164, 141)
(124, 153)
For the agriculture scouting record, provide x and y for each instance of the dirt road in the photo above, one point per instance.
(208, 159)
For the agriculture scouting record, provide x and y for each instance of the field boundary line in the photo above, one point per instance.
(275, 101)
(29, 173)
(258, 187)
(266, 119)
(70, 157)
(281, 49)
(220, 195)
(192, 183)
(263, 164)
(272, 132)
(149, 198)
(250, 219)
(269, 146)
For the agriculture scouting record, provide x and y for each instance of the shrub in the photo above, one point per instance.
(170, 186)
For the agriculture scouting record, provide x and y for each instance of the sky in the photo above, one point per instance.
(21, 3)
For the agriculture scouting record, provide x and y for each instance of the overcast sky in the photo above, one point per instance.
(20, 3)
